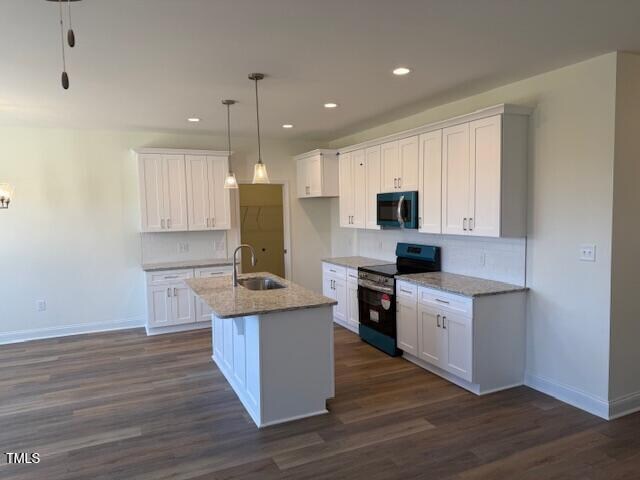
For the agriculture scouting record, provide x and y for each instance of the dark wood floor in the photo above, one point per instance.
(126, 406)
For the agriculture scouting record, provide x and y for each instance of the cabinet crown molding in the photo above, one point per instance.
(180, 151)
(501, 109)
(312, 153)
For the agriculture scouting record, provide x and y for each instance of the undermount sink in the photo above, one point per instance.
(260, 283)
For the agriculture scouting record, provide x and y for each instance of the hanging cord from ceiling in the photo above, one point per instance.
(65, 76)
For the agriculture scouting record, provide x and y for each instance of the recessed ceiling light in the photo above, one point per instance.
(193, 119)
(330, 105)
(287, 125)
(401, 71)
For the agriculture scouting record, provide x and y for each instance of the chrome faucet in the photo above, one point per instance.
(235, 261)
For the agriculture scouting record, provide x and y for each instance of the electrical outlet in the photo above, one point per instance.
(41, 305)
(183, 247)
(588, 253)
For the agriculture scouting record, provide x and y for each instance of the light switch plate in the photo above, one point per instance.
(587, 252)
(41, 305)
(183, 247)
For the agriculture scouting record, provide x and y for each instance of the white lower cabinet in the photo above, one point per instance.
(341, 284)
(171, 303)
(477, 343)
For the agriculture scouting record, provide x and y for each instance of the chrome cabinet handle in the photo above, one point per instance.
(444, 325)
(174, 292)
(168, 293)
(470, 220)
(168, 223)
(213, 221)
(442, 301)
(207, 222)
(406, 291)
(400, 218)
(169, 277)
(395, 183)
(464, 224)
(399, 182)
(438, 321)
(162, 223)
(419, 222)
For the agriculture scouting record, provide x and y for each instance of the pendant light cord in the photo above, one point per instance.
(64, 61)
(229, 134)
(69, 13)
(258, 123)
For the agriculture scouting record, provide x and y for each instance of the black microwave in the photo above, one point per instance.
(398, 210)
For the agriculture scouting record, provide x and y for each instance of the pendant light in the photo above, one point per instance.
(71, 39)
(230, 181)
(259, 169)
(6, 195)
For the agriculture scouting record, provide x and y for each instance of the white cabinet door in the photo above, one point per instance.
(359, 173)
(407, 326)
(160, 302)
(327, 287)
(151, 171)
(239, 351)
(372, 162)
(430, 337)
(197, 192)
(314, 175)
(175, 192)
(353, 312)
(220, 209)
(430, 188)
(389, 166)
(183, 306)
(346, 190)
(408, 152)
(486, 153)
(302, 177)
(459, 345)
(340, 289)
(455, 179)
(218, 338)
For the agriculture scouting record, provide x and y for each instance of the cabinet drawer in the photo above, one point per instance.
(335, 270)
(168, 276)
(407, 290)
(352, 275)
(445, 301)
(209, 272)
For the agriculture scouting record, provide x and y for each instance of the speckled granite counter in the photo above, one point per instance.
(460, 284)
(215, 262)
(355, 262)
(229, 302)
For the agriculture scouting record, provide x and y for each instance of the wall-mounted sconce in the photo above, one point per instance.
(6, 195)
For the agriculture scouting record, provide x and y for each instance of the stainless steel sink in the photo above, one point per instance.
(260, 283)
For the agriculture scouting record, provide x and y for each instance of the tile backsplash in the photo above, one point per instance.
(501, 259)
(178, 246)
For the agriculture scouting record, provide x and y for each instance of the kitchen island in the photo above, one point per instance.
(273, 342)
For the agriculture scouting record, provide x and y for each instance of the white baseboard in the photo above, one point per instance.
(572, 396)
(626, 405)
(67, 330)
(176, 328)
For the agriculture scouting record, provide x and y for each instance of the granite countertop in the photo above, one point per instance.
(229, 302)
(460, 284)
(355, 262)
(212, 262)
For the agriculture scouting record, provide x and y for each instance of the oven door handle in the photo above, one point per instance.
(400, 218)
(376, 288)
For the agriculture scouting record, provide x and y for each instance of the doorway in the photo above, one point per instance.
(262, 225)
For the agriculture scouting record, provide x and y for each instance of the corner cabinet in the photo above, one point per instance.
(183, 190)
(317, 174)
(477, 343)
(470, 173)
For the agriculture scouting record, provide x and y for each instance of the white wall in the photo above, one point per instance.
(71, 237)
(570, 203)
(625, 306)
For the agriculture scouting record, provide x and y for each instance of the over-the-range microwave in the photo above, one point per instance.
(398, 210)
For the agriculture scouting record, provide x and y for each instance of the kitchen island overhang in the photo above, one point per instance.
(274, 347)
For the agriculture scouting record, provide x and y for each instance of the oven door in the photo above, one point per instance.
(397, 210)
(377, 308)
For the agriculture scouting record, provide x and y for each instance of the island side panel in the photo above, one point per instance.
(297, 367)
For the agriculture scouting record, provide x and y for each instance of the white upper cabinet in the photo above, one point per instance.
(183, 191)
(389, 166)
(400, 165)
(372, 162)
(455, 179)
(317, 174)
(430, 183)
(353, 191)
(408, 161)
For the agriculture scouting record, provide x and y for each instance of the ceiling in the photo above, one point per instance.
(150, 64)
